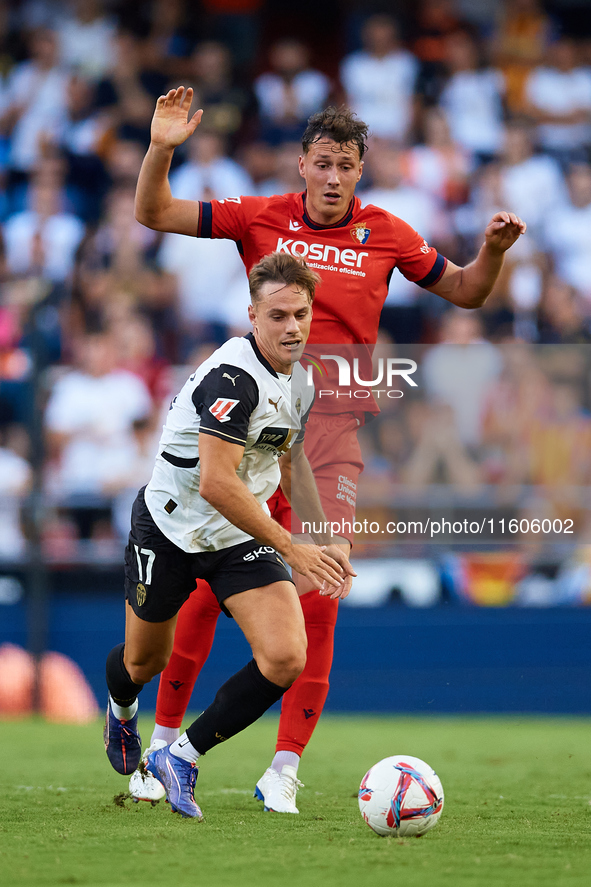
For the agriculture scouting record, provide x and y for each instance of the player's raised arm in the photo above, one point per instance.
(155, 206)
(469, 287)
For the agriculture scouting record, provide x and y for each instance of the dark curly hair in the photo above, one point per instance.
(339, 124)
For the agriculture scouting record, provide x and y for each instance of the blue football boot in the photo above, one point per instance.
(178, 778)
(122, 742)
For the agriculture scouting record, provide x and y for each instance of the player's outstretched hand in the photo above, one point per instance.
(348, 573)
(171, 125)
(316, 564)
(503, 230)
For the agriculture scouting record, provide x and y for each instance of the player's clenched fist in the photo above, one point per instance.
(171, 125)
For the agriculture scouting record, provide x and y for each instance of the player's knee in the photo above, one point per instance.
(284, 665)
(297, 663)
(289, 669)
(141, 670)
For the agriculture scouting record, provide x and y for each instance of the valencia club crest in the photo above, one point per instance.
(360, 233)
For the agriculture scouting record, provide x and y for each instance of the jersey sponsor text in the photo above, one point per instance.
(321, 252)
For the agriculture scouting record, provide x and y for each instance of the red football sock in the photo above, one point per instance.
(303, 702)
(195, 630)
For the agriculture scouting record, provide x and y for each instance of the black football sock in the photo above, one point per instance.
(238, 703)
(122, 689)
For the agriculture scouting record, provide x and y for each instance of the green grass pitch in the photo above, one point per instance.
(517, 810)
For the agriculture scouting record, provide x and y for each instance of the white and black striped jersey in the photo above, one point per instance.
(237, 396)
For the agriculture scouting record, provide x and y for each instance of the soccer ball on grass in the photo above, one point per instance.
(401, 796)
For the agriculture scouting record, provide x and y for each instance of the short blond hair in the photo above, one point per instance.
(282, 268)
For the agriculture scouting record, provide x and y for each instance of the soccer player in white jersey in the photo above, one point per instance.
(225, 447)
(355, 249)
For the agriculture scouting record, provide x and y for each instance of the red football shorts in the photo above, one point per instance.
(334, 454)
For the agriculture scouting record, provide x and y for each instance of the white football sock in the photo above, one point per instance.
(182, 748)
(123, 712)
(168, 734)
(285, 757)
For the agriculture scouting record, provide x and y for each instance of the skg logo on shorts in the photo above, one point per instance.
(140, 594)
(253, 555)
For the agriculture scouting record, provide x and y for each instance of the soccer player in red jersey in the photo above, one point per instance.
(354, 249)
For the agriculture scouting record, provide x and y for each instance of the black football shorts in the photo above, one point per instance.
(160, 576)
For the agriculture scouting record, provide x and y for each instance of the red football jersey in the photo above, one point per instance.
(354, 258)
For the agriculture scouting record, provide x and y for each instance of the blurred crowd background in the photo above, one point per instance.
(473, 106)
